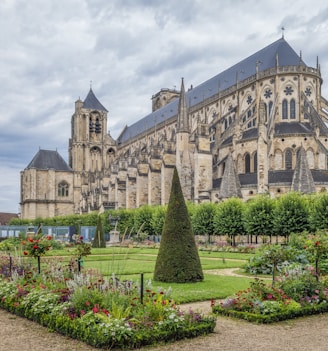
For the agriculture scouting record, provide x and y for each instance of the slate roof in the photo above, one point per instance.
(226, 79)
(92, 103)
(292, 128)
(275, 177)
(248, 179)
(250, 134)
(47, 159)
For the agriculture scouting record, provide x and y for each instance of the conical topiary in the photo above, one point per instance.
(99, 239)
(177, 260)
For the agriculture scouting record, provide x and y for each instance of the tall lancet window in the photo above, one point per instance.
(288, 159)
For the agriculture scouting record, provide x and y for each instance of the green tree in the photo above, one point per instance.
(158, 219)
(202, 220)
(177, 260)
(99, 239)
(318, 212)
(142, 220)
(228, 219)
(291, 214)
(258, 217)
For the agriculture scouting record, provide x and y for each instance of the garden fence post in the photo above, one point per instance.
(10, 264)
(39, 265)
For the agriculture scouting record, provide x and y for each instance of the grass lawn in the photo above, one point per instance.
(129, 263)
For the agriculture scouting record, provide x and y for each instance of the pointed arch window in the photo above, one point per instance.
(63, 189)
(247, 163)
(284, 109)
(292, 109)
(255, 162)
(288, 159)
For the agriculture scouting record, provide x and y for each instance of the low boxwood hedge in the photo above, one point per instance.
(100, 336)
(271, 318)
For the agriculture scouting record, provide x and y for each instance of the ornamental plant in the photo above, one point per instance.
(317, 248)
(105, 313)
(36, 247)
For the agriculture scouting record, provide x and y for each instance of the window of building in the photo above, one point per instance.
(288, 159)
(292, 109)
(247, 163)
(284, 109)
(63, 189)
(255, 162)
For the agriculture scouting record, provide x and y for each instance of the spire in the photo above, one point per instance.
(183, 122)
(302, 178)
(230, 185)
(92, 103)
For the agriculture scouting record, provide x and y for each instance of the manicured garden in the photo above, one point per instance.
(103, 311)
(299, 284)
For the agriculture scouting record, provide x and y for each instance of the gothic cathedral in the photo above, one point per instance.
(258, 127)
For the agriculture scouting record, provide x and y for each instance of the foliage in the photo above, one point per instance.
(99, 239)
(104, 313)
(318, 218)
(177, 259)
(301, 283)
(158, 218)
(269, 255)
(202, 219)
(81, 248)
(258, 216)
(291, 214)
(36, 247)
(10, 244)
(143, 219)
(228, 218)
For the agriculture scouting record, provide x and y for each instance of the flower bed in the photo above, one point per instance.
(262, 303)
(104, 313)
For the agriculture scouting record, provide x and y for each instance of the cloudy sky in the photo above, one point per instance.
(51, 50)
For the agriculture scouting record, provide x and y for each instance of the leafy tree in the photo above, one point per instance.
(177, 260)
(99, 239)
(142, 219)
(258, 216)
(203, 219)
(228, 219)
(291, 214)
(318, 212)
(158, 219)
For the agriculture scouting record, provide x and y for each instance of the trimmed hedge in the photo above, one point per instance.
(97, 335)
(272, 318)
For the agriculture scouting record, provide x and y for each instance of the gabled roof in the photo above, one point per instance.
(5, 217)
(92, 103)
(278, 52)
(47, 159)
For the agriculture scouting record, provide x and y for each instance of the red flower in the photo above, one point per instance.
(35, 247)
(87, 303)
(96, 309)
(25, 253)
(30, 240)
(49, 237)
(317, 243)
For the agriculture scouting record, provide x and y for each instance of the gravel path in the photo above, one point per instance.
(304, 334)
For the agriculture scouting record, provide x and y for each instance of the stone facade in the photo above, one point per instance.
(258, 127)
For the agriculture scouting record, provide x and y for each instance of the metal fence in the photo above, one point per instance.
(60, 233)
